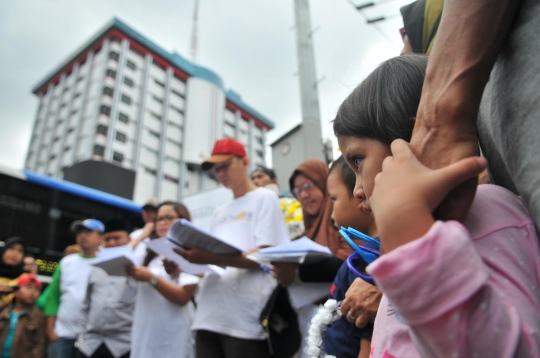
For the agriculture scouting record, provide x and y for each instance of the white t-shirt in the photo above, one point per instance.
(232, 303)
(161, 328)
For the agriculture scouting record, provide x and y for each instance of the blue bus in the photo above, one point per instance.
(40, 209)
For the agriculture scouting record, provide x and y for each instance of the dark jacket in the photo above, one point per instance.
(29, 340)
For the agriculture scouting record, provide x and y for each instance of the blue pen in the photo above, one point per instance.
(265, 268)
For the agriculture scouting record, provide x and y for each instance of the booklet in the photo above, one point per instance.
(185, 232)
(303, 250)
(164, 247)
(115, 259)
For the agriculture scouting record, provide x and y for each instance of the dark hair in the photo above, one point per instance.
(267, 171)
(182, 212)
(117, 225)
(345, 173)
(384, 105)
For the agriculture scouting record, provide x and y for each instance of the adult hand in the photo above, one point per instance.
(438, 146)
(148, 229)
(171, 268)
(361, 303)
(51, 337)
(139, 273)
(406, 193)
(196, 255)
(285, 272)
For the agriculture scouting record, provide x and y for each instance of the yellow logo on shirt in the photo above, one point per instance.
(241, 215)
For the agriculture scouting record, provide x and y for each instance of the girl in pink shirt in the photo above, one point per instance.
(450, 289)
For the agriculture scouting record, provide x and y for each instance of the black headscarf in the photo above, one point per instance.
(12, 272)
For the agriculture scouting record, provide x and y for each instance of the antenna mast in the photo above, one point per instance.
(194, 32)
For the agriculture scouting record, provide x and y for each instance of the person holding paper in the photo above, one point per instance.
(68, 288)
(107, 312)
(229, 305)
(163, 311)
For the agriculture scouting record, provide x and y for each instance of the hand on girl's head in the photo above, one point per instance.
(406, 193)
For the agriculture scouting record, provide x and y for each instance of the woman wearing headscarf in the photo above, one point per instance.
(11, 267)
(308, 185)
(421, 21)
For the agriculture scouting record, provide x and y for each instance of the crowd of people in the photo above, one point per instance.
(457, 266)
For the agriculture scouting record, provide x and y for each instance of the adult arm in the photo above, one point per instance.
(468, 41)
(197, 255)
(173, 292)
(146, 232)
(52, 304)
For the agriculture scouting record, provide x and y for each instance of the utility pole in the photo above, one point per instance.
(311, 118)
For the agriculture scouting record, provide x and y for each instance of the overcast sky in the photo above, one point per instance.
(250, 44)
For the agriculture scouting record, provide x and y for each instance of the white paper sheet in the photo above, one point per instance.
(184, 231)
(165, 248)
(297, 251)
(115, 259)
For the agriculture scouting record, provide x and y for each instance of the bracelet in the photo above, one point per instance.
(153, 281)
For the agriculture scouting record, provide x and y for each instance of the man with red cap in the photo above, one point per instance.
(229, 305)
(22, 325)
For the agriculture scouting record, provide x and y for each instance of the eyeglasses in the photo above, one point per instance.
(166, 219)
(306, 186)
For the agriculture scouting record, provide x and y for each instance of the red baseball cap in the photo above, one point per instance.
(224, 149)
(28, 279)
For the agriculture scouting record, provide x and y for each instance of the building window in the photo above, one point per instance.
(159, 83)
(114, 56)
(56, 139)
(118, 157)
(101, 129)
(131, 65)
(157, 99)
(106, 110)
(171, 123)
(52, 157)
(110, 73)
(178, 94)
(174, 108)
(76, 95)
(66, 149)
(121, 137)
(70, 130)
(154, 134)
(128, 81)
(259, 140)
(80, 78)
(171, 179)
(108, 91)
(171, 159)
(151, 151)
(99, 150)
(123, 118)
(126, 99)
(259, 153)
(150, 171)
(156, 116)
(63, 105)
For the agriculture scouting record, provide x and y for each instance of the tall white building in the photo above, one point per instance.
(123, 99)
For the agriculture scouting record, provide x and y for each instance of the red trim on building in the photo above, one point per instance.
(113, 33)
(245, 115)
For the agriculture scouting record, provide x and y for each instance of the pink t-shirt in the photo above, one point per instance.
(467, 290)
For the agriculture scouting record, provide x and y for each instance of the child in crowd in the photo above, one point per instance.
(22, 325)
(450, 289)
(11, 268)
(342, 338)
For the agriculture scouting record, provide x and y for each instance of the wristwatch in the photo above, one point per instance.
(154, 280)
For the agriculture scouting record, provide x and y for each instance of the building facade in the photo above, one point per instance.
(123, 99)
